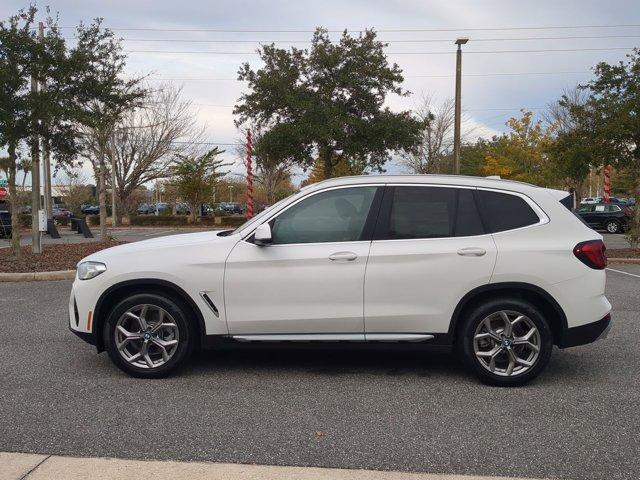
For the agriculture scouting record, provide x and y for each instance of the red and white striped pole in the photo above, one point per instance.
(607, 183)
(249, 176)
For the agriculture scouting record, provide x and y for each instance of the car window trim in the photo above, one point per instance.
(377, 196)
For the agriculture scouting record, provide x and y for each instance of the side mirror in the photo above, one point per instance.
(262, 235)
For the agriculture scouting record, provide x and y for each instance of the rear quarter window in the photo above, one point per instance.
(504, 211)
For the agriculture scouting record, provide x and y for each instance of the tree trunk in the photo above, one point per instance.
(327, 162)
(102, 197)
(15, 206)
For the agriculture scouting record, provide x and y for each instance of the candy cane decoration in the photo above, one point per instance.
(607, 183)
(249, 176)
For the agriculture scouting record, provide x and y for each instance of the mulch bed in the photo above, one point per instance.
(54, 257)
(623, 252)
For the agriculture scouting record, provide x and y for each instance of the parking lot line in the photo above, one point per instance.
(624, 273)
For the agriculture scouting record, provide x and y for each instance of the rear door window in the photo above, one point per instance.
(504, 211)
(414, 212)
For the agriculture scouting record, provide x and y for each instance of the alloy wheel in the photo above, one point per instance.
(507, 343)
(147, 336)
(612, 227)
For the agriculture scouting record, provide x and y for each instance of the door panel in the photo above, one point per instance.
(413, 286)
(430, 248)
(296, 288)
(310, 280)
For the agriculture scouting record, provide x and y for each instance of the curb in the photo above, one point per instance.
(38, 276)
(55, 467)
(633, 261)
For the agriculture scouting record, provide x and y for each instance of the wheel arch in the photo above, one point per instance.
(148, 285)
(532, 293)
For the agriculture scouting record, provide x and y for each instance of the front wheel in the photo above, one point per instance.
(506, 342)
(148, 335)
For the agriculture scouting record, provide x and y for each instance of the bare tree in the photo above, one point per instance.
(72, 184)
(436, 145)
(144, 143)
(146, 140)
(558, 113)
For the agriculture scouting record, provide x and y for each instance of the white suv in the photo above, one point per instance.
(498, 270)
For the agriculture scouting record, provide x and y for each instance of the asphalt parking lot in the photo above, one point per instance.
(388, 410)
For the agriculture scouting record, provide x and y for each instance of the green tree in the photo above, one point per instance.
(195, 177)
(328, 100)
(27, 114)
(521, 154)
(473, 156)
(613, 109)
(77, 81)
(102, 96)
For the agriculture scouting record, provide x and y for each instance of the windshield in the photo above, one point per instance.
(265, 213)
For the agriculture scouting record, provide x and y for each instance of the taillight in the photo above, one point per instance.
(591, 253)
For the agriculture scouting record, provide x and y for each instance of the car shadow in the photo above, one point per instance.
(328, 360)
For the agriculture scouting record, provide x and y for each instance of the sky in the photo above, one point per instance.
(495, 86)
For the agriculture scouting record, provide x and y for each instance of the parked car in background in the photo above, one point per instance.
(162, 208)
(5, 219)
(497, 271)
(88, 209)
(60, 212)
(146, 208)
(230, 208)
(612, 217)
(183, 209)
(629, 201)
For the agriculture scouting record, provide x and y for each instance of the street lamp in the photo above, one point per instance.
(456, 129)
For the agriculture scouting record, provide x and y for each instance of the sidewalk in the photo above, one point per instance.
(24, 466)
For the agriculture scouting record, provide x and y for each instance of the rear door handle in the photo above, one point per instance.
(472, 252)
(343, 256)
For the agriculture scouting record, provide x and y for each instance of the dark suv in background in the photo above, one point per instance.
(5, 219)
(612, 217)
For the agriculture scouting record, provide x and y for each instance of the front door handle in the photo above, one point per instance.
(343, 256)
(472, 252)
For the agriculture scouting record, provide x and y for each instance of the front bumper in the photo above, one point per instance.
(588, 333)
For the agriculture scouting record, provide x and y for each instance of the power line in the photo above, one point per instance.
(422, 40)
(493, 74)
(467, 52)
(392, 30)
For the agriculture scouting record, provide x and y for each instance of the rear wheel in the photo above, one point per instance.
(612, 226)
(148, 336)
(506, 342)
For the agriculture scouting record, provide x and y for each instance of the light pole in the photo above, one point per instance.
(230, 193)
(456, 128)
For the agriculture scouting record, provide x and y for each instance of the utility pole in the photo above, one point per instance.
(456, 130)
(36, 246)
(46, 170)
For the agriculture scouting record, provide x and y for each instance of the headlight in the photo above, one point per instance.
(87, 270)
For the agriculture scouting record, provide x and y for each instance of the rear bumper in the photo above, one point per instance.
(588, 333)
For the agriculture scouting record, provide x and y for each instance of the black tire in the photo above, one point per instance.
(180, 314)
(612, 226)
(467, 332)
